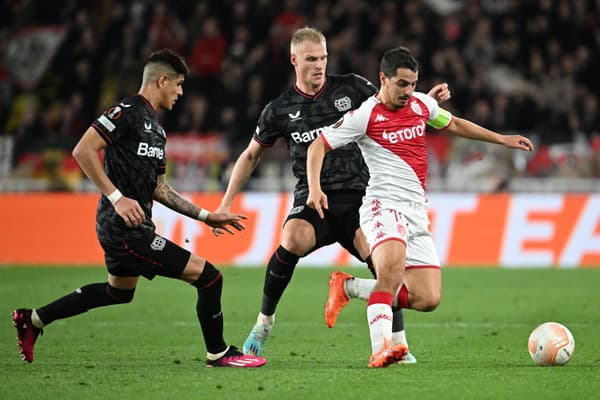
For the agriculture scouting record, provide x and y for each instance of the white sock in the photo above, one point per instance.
(399, 338)
(268, 320)
(35, 320)
(379, 316)
(358, 288)
(213, 357)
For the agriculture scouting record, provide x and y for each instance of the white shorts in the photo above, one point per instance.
(406, 222)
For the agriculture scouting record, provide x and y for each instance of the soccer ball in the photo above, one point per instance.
(551, 344)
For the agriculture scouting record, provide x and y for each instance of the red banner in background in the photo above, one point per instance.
(524, 230)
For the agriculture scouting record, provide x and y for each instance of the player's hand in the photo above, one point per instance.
(130, 211)
(225, 221)
(317, 200)
(440, 92)
(217, 231)
(517, 142)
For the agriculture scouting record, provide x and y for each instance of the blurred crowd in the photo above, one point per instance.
(513, 66)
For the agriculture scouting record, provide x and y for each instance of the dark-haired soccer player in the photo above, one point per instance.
(297, 115)
(389, 129)
(133, 176)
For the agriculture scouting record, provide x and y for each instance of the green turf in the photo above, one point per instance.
(473, 346)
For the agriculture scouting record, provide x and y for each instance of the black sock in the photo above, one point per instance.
(370, 265)
(278, 275)
(83, 299)
(398, 318)
(208, 308)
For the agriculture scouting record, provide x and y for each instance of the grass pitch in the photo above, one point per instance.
(473, 346)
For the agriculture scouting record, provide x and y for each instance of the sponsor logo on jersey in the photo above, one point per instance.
(158, 243)
(343, 103)
(147, 126)
(414, 105)
(105, 122)
(402, 135)
(125, 105)
(305, 137)
(295, 117)
(114, 113)
(145, 150)
(380, 118)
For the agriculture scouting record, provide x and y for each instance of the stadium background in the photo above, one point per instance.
(528, 67)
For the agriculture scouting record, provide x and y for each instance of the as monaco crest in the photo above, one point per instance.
(416, 108)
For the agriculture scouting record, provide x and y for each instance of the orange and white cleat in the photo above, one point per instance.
(337, 299)
(388, 355)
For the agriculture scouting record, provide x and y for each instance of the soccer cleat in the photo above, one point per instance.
(337, 298)
(256, 339)
(388, 355)
(234, 358)
(26, 333)
(407, 359)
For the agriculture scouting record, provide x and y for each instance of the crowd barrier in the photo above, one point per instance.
(500, 230)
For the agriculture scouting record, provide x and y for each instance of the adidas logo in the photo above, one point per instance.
(380, 118)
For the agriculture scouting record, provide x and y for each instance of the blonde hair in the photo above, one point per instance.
(306, 33)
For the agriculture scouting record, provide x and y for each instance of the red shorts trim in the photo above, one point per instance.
(423, 266)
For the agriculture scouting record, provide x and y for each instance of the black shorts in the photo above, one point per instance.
(149, 256)
(340, 223)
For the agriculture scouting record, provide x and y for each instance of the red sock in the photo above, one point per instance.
(402, 298)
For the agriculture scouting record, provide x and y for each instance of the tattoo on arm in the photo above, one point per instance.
(168, 196)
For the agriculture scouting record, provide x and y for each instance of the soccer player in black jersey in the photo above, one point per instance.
(297, 115)
(133, 176)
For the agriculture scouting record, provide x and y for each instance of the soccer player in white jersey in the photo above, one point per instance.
(389, 129)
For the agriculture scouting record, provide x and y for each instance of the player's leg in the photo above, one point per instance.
(343, 286)
(208, 282)
(118, 290)
(421, 289)
(297, 239)
(388, 258)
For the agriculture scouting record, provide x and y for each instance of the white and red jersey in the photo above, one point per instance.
(392, 143)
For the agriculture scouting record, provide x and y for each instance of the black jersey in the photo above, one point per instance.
(298, 118)
(133, 159)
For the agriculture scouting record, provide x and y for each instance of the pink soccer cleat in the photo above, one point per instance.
(236, 359)
(26, 333)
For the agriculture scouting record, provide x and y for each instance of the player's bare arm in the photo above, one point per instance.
(314, 162)
(243, 168)
(86, 154)
(467, 129)
(168, 196)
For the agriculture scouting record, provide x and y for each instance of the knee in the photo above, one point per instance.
(120, 296)
(430, 302)
(296, 244)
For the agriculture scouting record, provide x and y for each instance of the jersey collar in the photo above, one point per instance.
(145, 100)
(311, 96)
